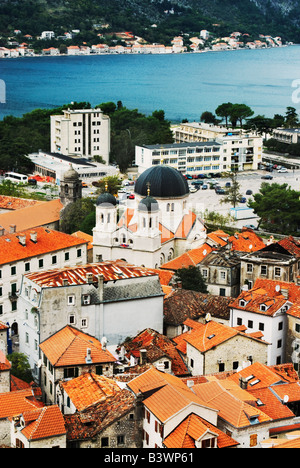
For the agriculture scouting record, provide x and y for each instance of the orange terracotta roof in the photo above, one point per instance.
(48, 240)
(246, 241)
(84, 236)
(218, 237)
(186, 225)
(210, 335)
(256, 297)
(191, 258)
(43, 423)
(237, 412)
(69, 347)
(40, 214)
(14, 403)
(292, 289)
(157, 346)
(166, 234)
(111, 271)
(17, 384)
(262, 376)
(3, 326)
(269, 403)
(291, 245)
(5, 365)
(192, 429)
(13, 203)
(164, 276)
(89, 389)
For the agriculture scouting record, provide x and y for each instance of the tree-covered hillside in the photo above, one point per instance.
(171, 17)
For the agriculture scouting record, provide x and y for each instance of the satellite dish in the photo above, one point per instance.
(207, 317)
(277, 288)
(286, 398)
(204, 252)
(250, 246)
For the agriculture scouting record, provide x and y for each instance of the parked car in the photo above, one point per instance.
(228, 184)
(219, 191)
(249, 192)
(131, 196)
(204, 187)
(250, 226)
(243, 200)
(267, 177)
(193, 189)
(84, 184)
(283, 169)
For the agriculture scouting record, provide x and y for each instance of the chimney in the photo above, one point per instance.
(143, 356)
(88, 358)
(285, 293)
(12, 228)
(243, 383)
(33, 236)
(22, 239)
(190, 383)
(89, 278)
(100, 286)
(2, 231)
(65, 282)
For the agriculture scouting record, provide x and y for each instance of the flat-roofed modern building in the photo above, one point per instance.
(82, 132)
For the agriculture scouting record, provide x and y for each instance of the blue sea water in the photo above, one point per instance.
(183, 85)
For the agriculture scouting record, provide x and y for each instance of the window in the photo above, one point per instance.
(239, 321)
(13, 270)
(221, 367)
(222, 292)
(71, 372)
(54, 259)
(263, 270)
(280, 326)
(41, 263)
(297, 327)
(261, 326)
(205, 273)
(249, 268)
(78, 253)
(67, 256)
(250, 323)
(235, 365)
(27, 266)
(71, 300)
(279, 343)
(71, 319)
(104, 442)
(277, 271)
(1, 309)
(121, 440)
(222, 275)
(253, 440)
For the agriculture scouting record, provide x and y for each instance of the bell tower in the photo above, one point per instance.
(70, 187)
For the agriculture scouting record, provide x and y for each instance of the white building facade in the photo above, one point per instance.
(84, 133)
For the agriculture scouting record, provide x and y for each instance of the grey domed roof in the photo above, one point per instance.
(165, 182)
(71, 174)
(106, 199)
(148, 204)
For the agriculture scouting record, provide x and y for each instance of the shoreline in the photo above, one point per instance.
(146, 53)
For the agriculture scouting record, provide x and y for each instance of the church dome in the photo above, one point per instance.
(71, 174)
(106, 199)
(164, 182)
(148, 204)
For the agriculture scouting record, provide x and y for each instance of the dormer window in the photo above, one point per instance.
(263, 307)
(242, 303)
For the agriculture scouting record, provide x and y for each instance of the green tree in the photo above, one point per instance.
(110, 184)
(224, 111)
(291, 118)
(240, 112)
(232, 193)
(191, 279)
(208, 117)
(20, 366)
(74, 214)
(278, 207)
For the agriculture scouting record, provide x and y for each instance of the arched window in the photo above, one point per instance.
(172, 207)
(168, 206)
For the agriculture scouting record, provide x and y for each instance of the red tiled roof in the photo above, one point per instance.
(13, 203)
(191, 258)
(193, 428)
(256, 297)
(291, 245)
(40, 214)
(14, 403)
(111, 271)
(48, 240)
(88, 389)
(5, 365)
(43, 423)
(246, 241)
(69, 347)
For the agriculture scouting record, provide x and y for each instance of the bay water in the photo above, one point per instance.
(183, 85)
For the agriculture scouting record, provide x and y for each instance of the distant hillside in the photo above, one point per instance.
(171, 17)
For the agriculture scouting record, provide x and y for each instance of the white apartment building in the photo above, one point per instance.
(37, 250)
(239, 150)
(82, 133)
(187, 158)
